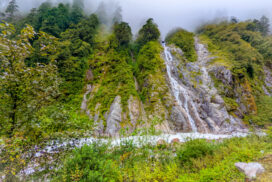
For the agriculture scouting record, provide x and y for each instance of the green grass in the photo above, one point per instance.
(196, 160)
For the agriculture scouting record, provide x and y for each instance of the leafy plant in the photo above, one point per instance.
(90, 163)
(185, 41)
(194, 149)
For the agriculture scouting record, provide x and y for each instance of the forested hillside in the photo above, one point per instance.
(83, 99)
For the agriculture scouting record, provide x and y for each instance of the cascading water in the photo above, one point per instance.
(177, 88)
(202, 107)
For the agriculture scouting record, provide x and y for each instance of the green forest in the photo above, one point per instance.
(66, 75)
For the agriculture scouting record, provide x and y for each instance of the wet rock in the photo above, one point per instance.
(251, 170)
(114, 117)
(179, 121)
(198, 103)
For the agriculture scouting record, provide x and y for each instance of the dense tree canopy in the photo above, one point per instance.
(149, 32)
(24, 90)
(123, 33)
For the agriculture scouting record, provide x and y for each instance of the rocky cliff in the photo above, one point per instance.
(180, 96)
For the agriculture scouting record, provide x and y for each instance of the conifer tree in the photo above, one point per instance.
(11, 10)
(149, 32)
(264, 25)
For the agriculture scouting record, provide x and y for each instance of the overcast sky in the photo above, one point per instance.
(169, 14)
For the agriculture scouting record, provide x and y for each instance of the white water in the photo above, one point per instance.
(203, 58)
(178, 89)
(139, 141)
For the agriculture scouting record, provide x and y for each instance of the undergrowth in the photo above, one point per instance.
(196, 160)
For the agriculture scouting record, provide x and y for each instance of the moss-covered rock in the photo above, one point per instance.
(185, 41)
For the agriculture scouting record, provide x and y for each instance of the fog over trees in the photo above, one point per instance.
(167, 14)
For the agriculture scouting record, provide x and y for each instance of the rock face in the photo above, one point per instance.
(180, 96)
(114, 117)
(85, 100)
(268, 82)
(251, 170)
(199, 106)
(134, 109)
(178, 117)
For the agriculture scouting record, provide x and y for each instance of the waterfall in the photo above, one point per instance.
(178, 88)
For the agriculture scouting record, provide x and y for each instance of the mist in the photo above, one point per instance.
(169, 14)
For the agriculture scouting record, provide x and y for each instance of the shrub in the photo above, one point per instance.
(185, 41)
(194, 149)
(123, 33)
(264, 114)
(90, 163)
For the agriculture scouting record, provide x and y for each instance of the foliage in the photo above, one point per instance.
(231, 104)
(262, 25)
(149, 32)
(185, 41)
(232, 39)
(11, 10)
(42, 79)
(194, 149)
(200, 160)
(149, 58)
(62, 117)
(117, 79)
(77, 11)
(71, 53)
(85, 30)
(24, 90)
(264, 116)
(149, 63)
(90, 163)
(243, 50)
(55, 20)
(11, 157)
(123, 33)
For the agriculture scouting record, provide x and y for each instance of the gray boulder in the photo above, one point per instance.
(250, 169)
